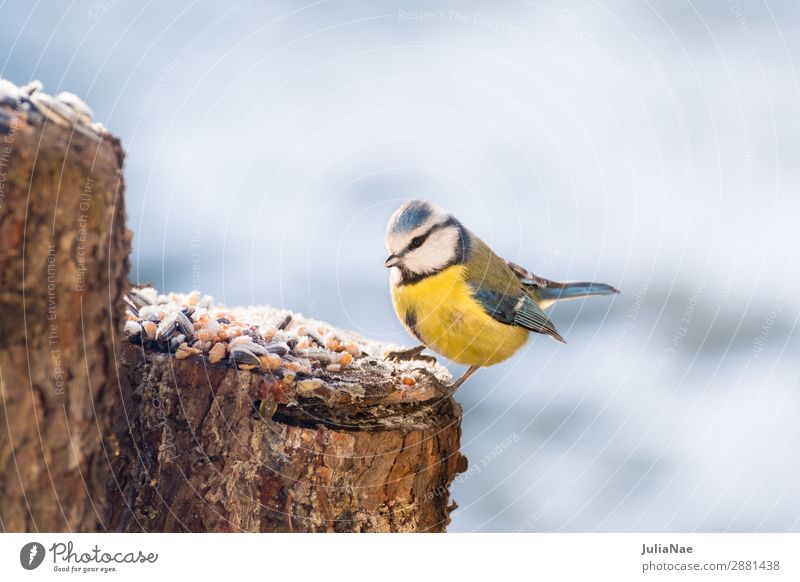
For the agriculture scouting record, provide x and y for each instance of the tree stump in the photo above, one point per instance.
(63, 273)
(372, 447)
(155, 434)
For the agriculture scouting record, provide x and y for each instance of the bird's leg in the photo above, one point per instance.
(410, 354)
(457, 384)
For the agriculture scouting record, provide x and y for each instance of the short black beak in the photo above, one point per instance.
(391, 261)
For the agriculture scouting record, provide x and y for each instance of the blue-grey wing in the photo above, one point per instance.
(519, 310)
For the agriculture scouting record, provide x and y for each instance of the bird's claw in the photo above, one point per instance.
(408, 355)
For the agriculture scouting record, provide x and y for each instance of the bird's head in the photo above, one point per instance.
(423, 239)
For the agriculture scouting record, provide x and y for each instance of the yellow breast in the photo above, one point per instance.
(442, 313)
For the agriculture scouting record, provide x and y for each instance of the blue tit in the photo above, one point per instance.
(461, 300)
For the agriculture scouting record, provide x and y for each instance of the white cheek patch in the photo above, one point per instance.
(437, 251)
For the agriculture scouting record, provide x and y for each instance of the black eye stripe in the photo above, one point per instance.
(419, 240)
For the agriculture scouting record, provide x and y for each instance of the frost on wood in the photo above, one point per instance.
(255, 419)
(64, 110)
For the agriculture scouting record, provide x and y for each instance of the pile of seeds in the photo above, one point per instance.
(262, 339)
(65, 109)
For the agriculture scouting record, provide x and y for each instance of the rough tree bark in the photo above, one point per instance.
(352, 451)
(63, 272)
(162, 444)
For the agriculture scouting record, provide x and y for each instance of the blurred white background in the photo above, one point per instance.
(649, 145)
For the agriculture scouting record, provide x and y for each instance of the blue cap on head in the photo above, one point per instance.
(413, 214)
